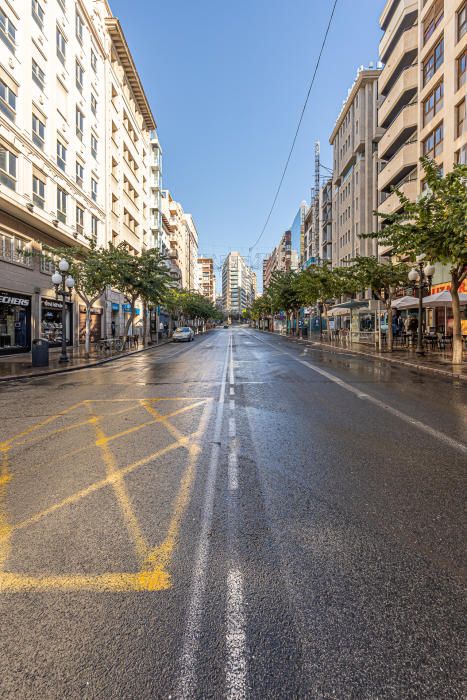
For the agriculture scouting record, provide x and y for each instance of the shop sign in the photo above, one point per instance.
(14, 299)
(94, 311)
(127, 309)
(446, 287)
(52, 304)
(115, 307)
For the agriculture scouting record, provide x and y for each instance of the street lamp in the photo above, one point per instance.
(421, 276)
(63, 284)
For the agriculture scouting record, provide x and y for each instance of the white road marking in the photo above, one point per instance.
(188, 677)
(236, 638)
(232, 391)
(232, 427)
(233, 469)
(381, 404)
(232, 404)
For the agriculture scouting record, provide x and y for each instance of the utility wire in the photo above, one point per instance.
(298, 126)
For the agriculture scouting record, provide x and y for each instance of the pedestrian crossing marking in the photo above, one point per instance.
(153, 561)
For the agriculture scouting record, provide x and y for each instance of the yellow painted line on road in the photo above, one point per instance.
(114, 582)
(37, 426)
(5, 528)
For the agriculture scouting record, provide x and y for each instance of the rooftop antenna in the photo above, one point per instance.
(316, 200)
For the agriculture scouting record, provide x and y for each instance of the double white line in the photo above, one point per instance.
(235, 670)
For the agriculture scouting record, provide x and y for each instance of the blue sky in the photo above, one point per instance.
(226, 82)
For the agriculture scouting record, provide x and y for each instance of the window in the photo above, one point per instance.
(37, 13)
(461, 155)
(432, 20)
(7, 32)
(13, 249)
(93, 61)
(61, 205)
(38, 75)
(433, 103)
(38, 190)
(79, 124)
(461, 124)
(62, 5)
(38, 132)
(79, 75)
(79, 174)
(79, 219)
(433, 62)
(7, 101)
(93, 146)
(93, 104)
(94, 189)
(433, 144)
(8, 162)
(61, 46)
(79, 26)
(462, 21)
(94, 225)
(461, 70)
(61, 155)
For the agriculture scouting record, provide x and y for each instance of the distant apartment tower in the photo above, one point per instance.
(237, 285)
(207, 278)
(354, 140)
(326, 220)
(282, 259)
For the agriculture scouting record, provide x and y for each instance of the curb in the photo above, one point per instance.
(391, 360)
(97, 363)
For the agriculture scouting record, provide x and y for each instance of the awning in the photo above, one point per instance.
(405, 303)
(442, 299)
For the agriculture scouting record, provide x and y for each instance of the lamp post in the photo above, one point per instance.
(421, 276)
(63, 284)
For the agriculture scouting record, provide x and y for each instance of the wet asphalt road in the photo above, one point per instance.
(238, 517)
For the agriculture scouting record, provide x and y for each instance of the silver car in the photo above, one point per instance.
(184, 333)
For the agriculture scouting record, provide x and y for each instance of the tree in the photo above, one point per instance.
(284, 293)
(92, 268)
(323, 285)
(144, 276)
(436, 225)
(382, 278)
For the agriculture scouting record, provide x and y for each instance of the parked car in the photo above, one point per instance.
(183, 334)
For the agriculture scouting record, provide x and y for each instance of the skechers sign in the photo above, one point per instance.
(7, 298)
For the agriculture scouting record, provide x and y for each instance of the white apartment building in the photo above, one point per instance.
(52, 156)
(180, 231)
(238, 284)
(207, 279)
(75, 158)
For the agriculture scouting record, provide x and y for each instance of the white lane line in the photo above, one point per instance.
(188, 677)
(233, 469)
(410, 420)
(232, 427)
(232, 404)
(235, 638)
(232, 391)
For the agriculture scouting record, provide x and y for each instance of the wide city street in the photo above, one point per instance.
(238, 517)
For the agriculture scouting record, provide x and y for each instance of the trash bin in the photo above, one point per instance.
(40, 353)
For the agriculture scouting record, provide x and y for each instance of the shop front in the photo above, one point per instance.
(51, 322)
(96, 324)
(133, 329)
(15, 323)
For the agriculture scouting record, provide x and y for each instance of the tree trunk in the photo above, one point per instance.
(390, 336)
(145, 325)
(457, 326)
(87, 337)
(130, 320)
(328, 330)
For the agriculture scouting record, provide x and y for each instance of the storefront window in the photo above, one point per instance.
(51, 322)
(96, 324)
(15, 323)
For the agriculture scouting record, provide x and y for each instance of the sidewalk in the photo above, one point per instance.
(435, 362)
(19, 366)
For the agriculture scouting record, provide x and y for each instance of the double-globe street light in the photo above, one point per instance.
(63, 283)
(421, 276)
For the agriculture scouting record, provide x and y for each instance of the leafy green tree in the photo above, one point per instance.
(154, 283)
(323, 285)
(92, 268)
(284, 293)
(436, 225)
(383, 278)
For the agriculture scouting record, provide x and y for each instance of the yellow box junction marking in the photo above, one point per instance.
(153, 562)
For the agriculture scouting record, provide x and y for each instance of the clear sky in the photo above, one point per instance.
(226, 82)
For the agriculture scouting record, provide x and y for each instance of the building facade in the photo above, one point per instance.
(282, 259)
(75, 151)
(237, 284)
(354, 140)
(207, 279)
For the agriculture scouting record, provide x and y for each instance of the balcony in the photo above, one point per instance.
(392, 203)
(402, 92)
(400, 165)
(400, 131)
(403, 56)
(402, 18)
